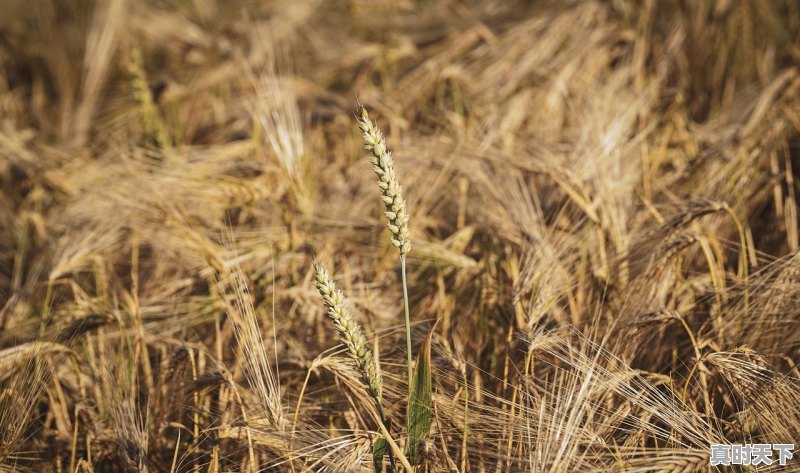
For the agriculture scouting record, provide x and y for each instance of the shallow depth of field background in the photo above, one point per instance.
(603, 204)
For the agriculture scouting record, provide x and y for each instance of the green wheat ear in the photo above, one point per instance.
(391, 192)
(352, 337)
(395, 209)
(349, 331)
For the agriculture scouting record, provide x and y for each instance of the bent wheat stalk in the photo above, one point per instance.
(352, 338)
(392, 196)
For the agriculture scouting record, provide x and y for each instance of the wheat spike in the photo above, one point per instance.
(349, 332)
(391, 192)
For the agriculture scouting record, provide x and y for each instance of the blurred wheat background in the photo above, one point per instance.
(603, 204)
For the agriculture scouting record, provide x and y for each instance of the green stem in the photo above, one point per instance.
(392, 466)
(408, 323)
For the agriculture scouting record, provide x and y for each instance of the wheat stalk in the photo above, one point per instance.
(392, 196)
(349, 332)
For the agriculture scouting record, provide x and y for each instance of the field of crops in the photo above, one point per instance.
(398, 235)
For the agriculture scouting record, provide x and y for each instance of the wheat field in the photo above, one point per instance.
(592, 212)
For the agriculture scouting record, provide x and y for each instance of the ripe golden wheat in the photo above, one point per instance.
(605, 234)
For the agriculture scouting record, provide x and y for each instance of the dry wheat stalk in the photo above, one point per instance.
(349, 332)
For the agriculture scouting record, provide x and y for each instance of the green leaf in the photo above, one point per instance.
(420, 403)
(378, 450)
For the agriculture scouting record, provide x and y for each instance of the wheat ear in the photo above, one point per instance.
(349, 332)
(392, 196)
(391, 192)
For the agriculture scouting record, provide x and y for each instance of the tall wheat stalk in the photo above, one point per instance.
(395, 209)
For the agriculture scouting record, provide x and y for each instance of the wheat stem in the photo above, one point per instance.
(408, 322)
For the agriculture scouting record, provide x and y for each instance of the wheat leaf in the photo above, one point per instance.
(378, 450)
(419, 407)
